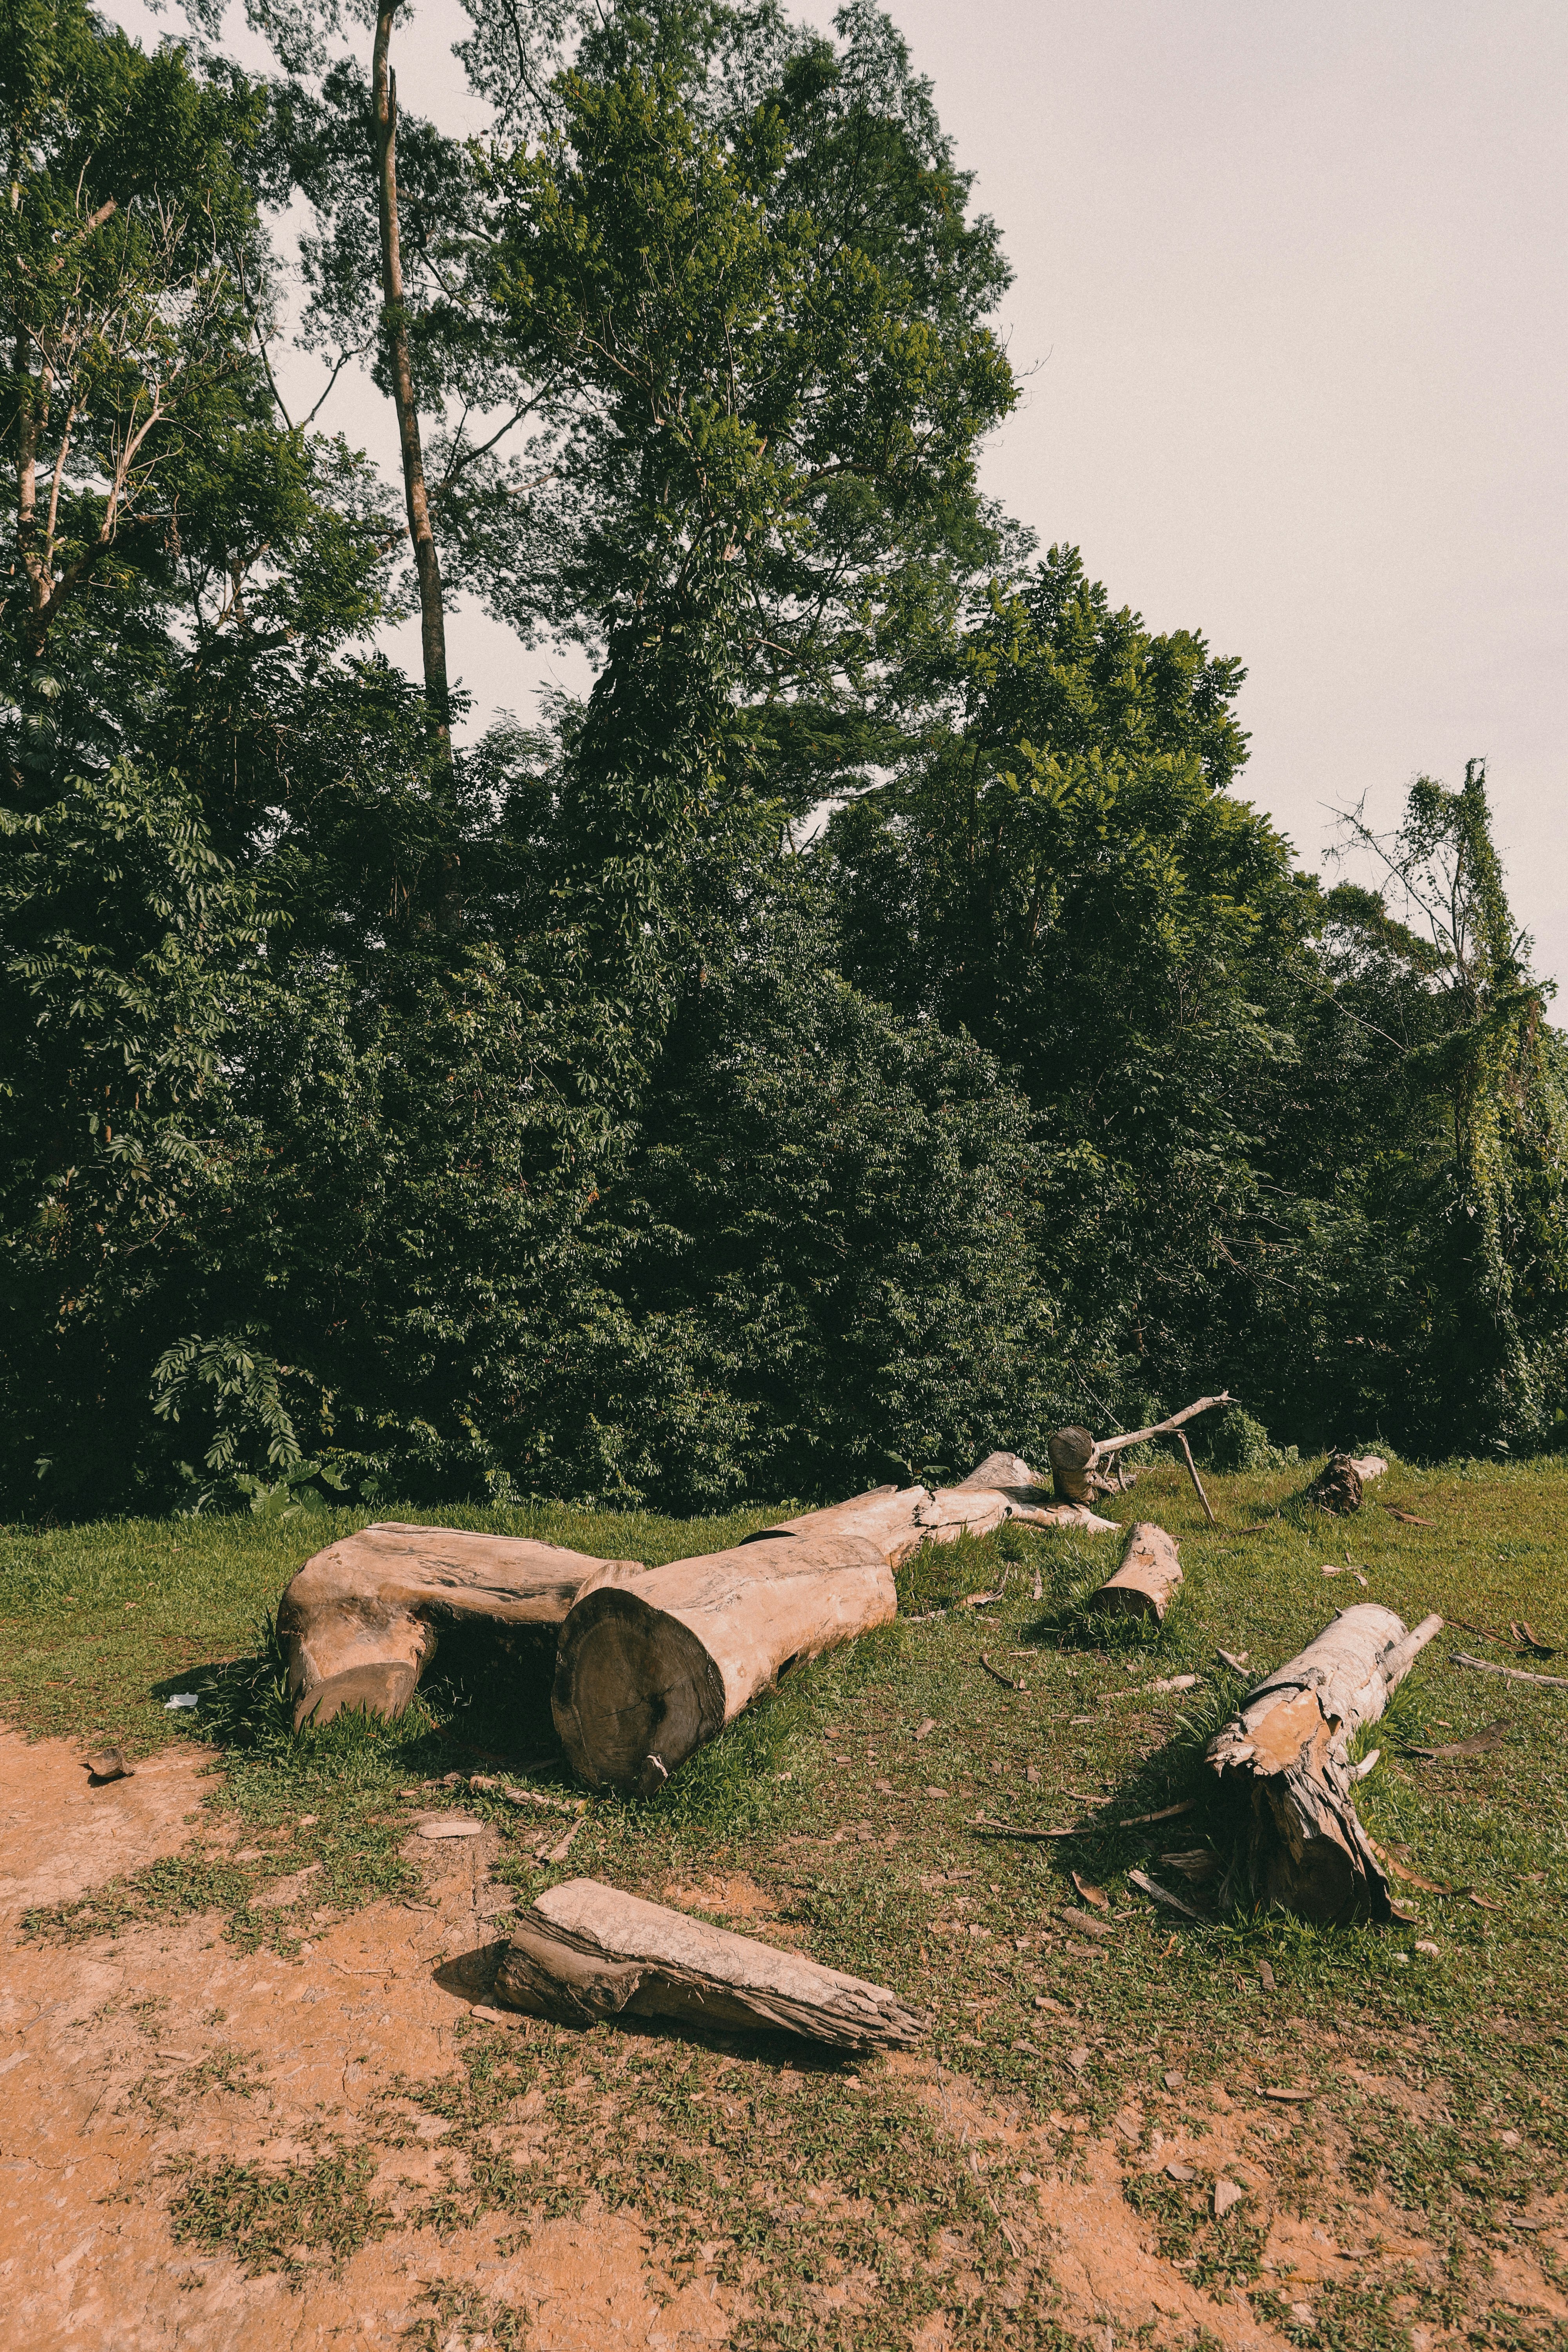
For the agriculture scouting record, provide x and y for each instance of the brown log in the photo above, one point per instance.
(1147, 1580)
(1076, 1455)
(359, 1621)
(653, 1663)
(584, 1952)
(1288, 1747)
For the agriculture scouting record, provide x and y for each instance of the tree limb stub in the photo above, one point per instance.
(1147, 1580)
(584, 1952)
(1075, 1454)
(1290, 1743)
(653, 1663)
(359, 1621)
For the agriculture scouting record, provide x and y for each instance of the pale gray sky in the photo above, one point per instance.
(1291, 301)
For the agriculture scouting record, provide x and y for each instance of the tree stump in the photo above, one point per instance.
(584, 1952)
(1338, 1486)
(1288, 1749)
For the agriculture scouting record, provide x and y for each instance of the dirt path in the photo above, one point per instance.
(126, 2058)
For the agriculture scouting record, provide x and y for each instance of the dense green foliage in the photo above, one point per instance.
(560, 1126)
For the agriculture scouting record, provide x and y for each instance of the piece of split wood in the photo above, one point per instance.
(451, 1825)
(1289, 2098)
(1166, 1813)
(997, 1675)
(1514, 1673)
(1158, 1894)
(1085, 1919)
(559, 1852)
(1235, 1660)
(584, 1952)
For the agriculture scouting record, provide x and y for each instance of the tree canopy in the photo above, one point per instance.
(868, 1026)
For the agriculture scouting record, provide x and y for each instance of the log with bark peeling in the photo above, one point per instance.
(1147, 1580)
(653, 1663)
(584, 1952)
(1076, 1455)
(358, 1622)
(1290, 1748)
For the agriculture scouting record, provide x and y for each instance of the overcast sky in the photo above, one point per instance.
(1290, 303)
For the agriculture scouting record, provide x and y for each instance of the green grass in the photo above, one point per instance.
(796, 2180)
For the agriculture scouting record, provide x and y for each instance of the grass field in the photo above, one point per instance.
(1442, 2075)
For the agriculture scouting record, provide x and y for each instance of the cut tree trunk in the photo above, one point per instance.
(584, 1952)
(359, 1621)
(653, 1663)
(1288, 1747)
(1338, 1486)
(1147, 1580)
(1076, 1455)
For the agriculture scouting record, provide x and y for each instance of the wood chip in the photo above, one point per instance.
(1162, 1894)
(451, 1825)
(1289, 2098)
(926, 1728)
(1084, 1920)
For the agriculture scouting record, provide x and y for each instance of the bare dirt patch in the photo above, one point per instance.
(162, 2089)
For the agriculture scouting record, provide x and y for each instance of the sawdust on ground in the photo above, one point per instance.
(125, 2057)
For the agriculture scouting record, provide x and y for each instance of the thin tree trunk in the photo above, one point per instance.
(395, 321)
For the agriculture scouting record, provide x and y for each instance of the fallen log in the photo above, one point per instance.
(1147, 1580)
(359, 1621)
(653, 1663)
(1076, 1455)
(584, 1952)
(1288, 1748)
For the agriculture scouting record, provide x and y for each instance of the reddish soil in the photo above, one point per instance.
(124, 2056)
